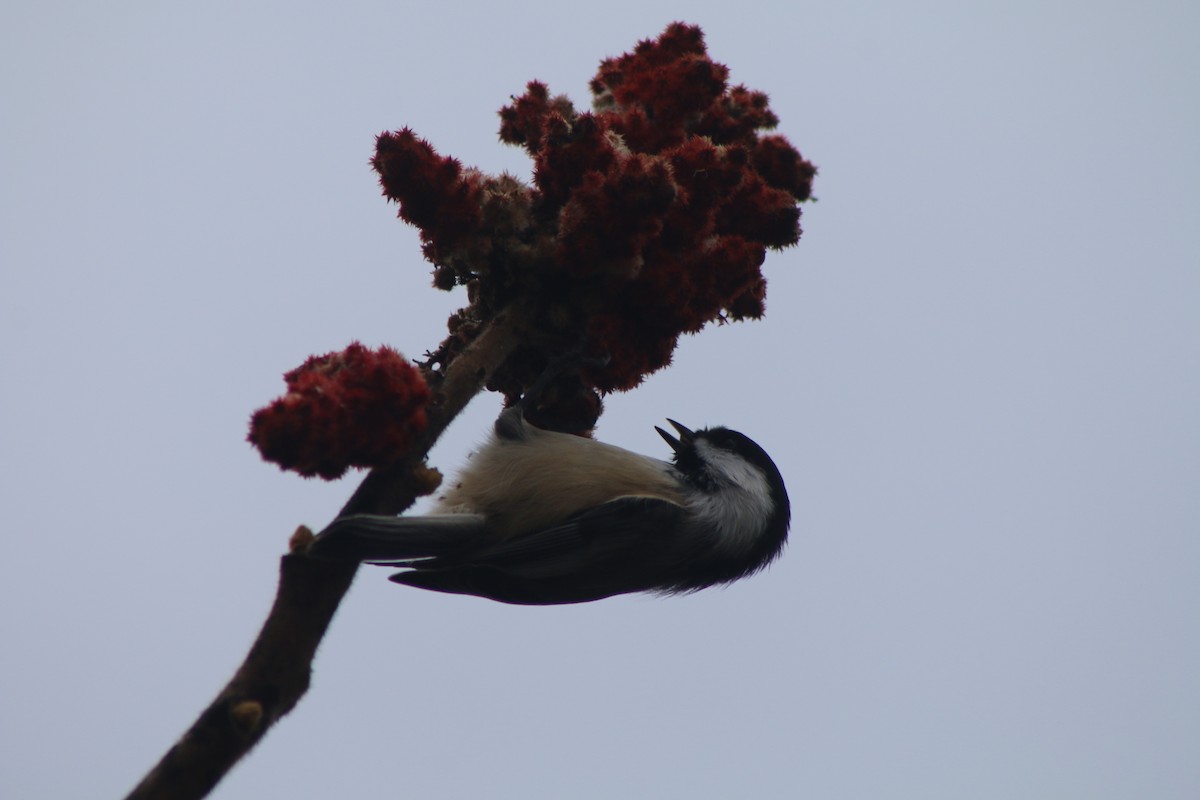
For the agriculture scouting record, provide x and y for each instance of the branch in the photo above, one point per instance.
(276, 672)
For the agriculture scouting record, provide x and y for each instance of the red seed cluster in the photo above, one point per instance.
(356, 408)
(649, 216)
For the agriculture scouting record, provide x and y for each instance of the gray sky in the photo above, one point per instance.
(978, 374)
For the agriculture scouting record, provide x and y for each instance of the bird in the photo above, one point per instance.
(539, 517)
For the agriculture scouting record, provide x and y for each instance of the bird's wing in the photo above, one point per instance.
(368, 537)
(620, 546)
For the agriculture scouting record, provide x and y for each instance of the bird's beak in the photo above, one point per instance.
(685, 436)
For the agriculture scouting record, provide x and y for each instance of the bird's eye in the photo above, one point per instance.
(722, 438)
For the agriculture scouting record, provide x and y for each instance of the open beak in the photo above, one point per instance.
(685, 436)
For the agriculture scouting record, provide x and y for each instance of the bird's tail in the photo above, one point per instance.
(367, 537)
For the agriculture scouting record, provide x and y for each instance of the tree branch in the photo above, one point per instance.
(276, 672)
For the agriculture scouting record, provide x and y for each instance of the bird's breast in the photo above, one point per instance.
(540, 481)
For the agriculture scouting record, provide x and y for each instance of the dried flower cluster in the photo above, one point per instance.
(649, 216)
(356, 408)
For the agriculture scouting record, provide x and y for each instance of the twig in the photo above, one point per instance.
(276, 672)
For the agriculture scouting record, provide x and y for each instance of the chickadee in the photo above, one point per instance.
(540, 518)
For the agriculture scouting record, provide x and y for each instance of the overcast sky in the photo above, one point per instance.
(978, 373)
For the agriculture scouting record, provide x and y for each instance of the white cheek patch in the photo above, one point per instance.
(741, 506)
